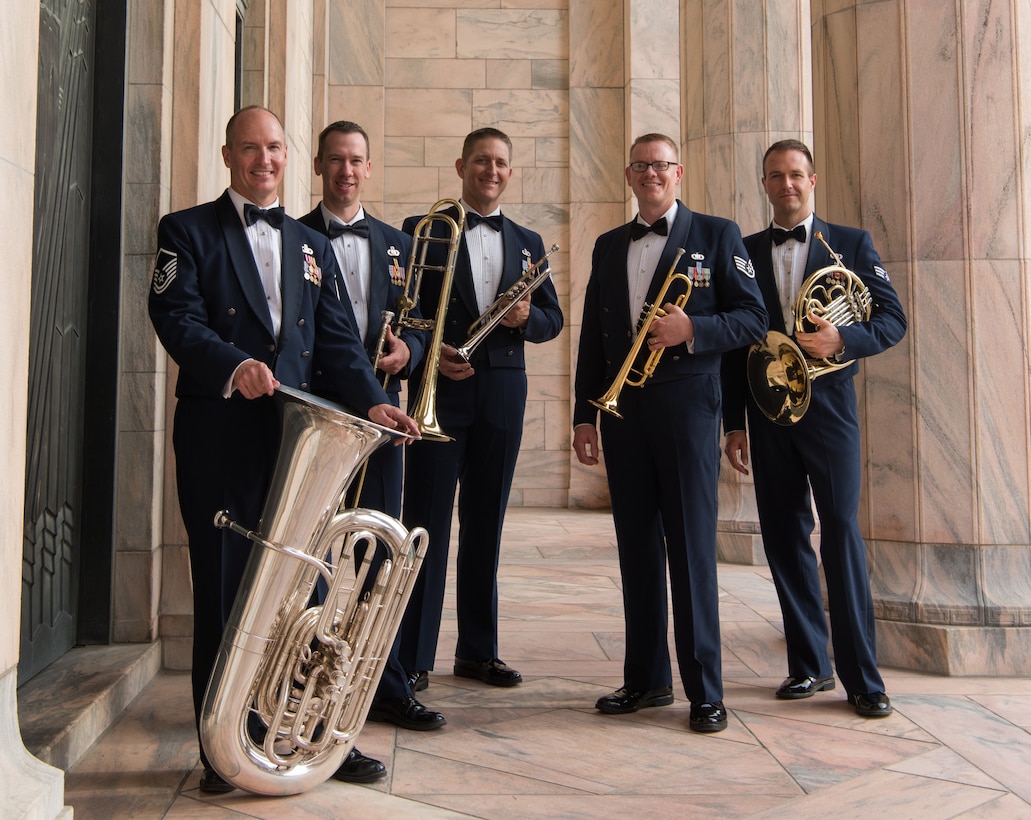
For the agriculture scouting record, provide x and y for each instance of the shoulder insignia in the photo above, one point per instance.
(165, 268)
(745, 266)
(882, 273)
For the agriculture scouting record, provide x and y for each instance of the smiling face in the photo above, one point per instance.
(789, 182)
(655, 190)
(255, 154)
(344, 166)
(485, 173)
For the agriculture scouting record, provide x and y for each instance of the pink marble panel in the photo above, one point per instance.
(419, 72)
(417, 32)
(508, 73)
(512, 33)
(651, 36)
(596, 53)
(522, 112)
(429, 112)
(596, 145)
(713, 45)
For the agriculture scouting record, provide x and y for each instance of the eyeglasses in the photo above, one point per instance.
(658, 165)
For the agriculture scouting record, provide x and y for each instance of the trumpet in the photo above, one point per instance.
(609, 402)
(533, 277)
(424, 409)
(779, 373)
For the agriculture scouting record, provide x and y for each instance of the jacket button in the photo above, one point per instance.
(271, 348)
(510, 353)
(300, 322)
(676, 358)
(304, 385)
(231, 311)
(305, 354)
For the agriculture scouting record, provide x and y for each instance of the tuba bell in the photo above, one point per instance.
(779, 373)
(293, 682)
(424, 408)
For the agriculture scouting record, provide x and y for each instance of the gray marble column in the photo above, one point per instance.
(923, 116)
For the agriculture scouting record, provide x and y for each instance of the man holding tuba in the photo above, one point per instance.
(819, 454)
(662, 453)
(372, 257)
(480, 405)
(241, 300)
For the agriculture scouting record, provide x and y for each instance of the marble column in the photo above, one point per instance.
(747, 84)
(923, 116)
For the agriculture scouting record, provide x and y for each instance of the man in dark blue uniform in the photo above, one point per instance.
(480, 404)
(820, 453)
(242, 299)
(372, 257)
(662, 457)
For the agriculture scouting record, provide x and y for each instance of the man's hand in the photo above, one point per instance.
(675, 328)
(519, 315)
(736, 447)
(452, 365)
(253, 379)
(394, 418)
(824, 343)
(396, 354)
(585, 443)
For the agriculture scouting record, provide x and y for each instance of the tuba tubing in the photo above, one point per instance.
(307, 674)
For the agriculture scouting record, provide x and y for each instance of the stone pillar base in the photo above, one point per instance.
(28, 786)
(955, 650)
(737, 547)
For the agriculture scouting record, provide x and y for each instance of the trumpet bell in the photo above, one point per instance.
(778, 376)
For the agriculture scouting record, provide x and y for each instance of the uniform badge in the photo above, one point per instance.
(312, 273)
(527, 260)
(697, 257)
(166, 266)
(745, 266)
(700, 277)
(882, 273)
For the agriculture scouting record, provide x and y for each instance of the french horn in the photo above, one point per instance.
(293, 682)
(779, 374)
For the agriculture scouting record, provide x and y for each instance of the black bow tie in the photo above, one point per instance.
(781, 236)
(637, 230)
(274, 216)
(472, 219)
(359, 228)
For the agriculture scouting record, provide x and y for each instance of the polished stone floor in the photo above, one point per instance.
(956, 747)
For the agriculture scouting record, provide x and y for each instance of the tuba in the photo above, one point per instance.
(293, 682)
(609, 402)
(533, 277)
(779, 374)
(424, 409)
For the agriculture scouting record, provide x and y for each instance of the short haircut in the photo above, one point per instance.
(232, 121)
(474, 137)
(790, 145)
(656, 138)
(343, 127)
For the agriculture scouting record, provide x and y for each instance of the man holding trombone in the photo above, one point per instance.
(661, 434)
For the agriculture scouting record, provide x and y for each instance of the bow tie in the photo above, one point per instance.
(274, 216)
(637, 230)
(472, 219)
(781, 236)
(359, 228)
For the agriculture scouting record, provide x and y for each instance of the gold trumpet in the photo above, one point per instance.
(424, 410)
(779, 373)
(533, 277)
(609, 402)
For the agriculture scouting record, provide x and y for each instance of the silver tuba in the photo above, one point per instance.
(293, 682)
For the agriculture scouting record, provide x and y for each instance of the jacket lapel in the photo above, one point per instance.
(379, 283)
(763, 264)
(296, 255)
(242, 259)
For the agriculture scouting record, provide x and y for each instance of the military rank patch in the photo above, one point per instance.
(312, 272)
(882, 273)
(165, 268)
(745, 266)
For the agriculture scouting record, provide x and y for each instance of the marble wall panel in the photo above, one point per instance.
(418, 72)
(416, 187)
(552, 152)
(895, 578)
(355, 50)
(596, 145)
(143, 107)
(950, 581)
(545, 185)
(533, 426)
(1001, 381)
(552, 74)
(137, 578)
(557, 425)
(423, 33)
(532, 33)
(1007, 585)
(522, 112)
(429, 112)
(788, 55)
(947, 497)
(404, 151)
(592, 221)
(596, 52)
(712, 65)
(653, 106)
(652, 35)
(507, 73)
(542, 468)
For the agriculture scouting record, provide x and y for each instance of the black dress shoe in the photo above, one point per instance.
(804, 687)
(407, 713)
(708, 717)
(418, 681)
(872, 704)
(624, 701)
(494, 672)
(211, 782)
(359, 769)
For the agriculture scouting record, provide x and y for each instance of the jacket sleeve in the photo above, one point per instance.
(887, 323)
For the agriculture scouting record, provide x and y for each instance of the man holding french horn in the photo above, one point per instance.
(691, 274)
(827, 309)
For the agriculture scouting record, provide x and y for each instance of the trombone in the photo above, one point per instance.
(779, 373)
(533, 277)
(609, 402)
(424, 410)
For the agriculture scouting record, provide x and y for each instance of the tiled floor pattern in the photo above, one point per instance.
(956, 747)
